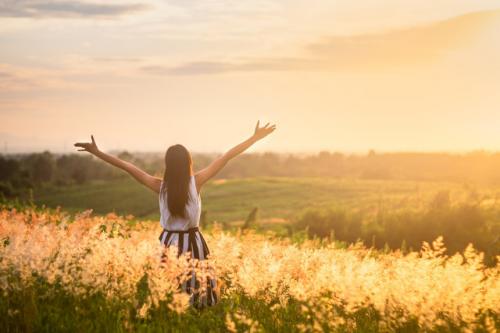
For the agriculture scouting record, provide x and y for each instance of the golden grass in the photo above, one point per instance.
(89, 254)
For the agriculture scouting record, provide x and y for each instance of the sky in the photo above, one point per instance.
(343, 75)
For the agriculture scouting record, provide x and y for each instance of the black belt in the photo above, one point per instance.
(180, 232)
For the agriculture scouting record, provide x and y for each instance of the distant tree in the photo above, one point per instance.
(441, 200)
(9, 168)
(6, 190)
(251, 219)
(42, 166)
(125, 155)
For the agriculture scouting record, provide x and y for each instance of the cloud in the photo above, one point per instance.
(220, 9)
(408, 46)
(75, 71)
(22, 79)
(65, 9)
(214, 67)
(117, 59)
(13, 79)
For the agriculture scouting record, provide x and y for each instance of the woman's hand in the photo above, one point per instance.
(204, 175)
(91, 147)
(262, 132)
(141, 176)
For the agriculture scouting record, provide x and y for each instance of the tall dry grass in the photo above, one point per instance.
(59, 272)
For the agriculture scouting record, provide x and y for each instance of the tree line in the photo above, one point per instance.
(459, 223)
(21, 171)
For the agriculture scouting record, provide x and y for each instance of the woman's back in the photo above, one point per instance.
(193, 209)
(182, 232)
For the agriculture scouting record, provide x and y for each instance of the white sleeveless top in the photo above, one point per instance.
(193, 210)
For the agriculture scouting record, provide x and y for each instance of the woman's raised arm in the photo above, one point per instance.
(141, 176)
(204, 175)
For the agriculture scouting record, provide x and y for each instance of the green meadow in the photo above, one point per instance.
(277, 198)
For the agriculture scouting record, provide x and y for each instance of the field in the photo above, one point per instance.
(231, 200)
(89, 274)
(69, 269)
(379, 213)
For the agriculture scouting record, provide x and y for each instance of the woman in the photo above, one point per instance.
(180, 202)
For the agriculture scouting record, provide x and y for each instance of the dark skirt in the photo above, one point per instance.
(192, 241)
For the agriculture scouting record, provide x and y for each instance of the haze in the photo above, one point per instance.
(333, 75)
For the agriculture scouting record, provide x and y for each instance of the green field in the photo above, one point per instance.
(277, 198)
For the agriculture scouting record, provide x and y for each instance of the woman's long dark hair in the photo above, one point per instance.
(176, 179)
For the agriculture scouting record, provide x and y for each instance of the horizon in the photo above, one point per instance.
(385, 75)
(278, 152)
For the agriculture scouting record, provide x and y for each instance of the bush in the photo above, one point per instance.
(459, 224)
